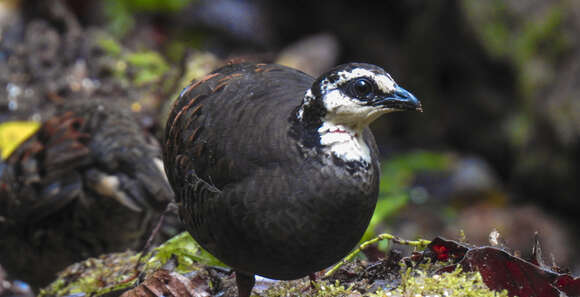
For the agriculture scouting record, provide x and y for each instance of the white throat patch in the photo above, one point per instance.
(344, 143)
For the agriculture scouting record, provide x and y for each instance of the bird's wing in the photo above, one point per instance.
(233, 122)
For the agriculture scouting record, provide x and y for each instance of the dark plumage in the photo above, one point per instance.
(259, 181)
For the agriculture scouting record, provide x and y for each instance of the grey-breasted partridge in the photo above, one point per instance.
(275, 172)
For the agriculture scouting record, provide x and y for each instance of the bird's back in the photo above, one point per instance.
(226, 125)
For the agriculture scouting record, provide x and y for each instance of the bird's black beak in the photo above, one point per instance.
(401, 99)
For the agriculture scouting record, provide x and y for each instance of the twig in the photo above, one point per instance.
(420, 243)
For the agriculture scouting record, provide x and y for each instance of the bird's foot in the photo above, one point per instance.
(245, 283)
(312, 278)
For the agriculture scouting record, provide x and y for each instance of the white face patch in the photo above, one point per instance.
(344, 143)
(342, 110)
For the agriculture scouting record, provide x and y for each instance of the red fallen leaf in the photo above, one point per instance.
(445, 250)
(502, 271)
(170, 284)
(568, 284)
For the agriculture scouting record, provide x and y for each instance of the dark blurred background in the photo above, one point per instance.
(498, 143)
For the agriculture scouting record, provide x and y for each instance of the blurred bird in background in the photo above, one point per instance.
(85, 176)
(89, 181)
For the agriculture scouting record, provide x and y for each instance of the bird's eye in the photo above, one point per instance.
(363, 88)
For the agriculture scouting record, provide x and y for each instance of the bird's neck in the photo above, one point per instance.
(315, 129)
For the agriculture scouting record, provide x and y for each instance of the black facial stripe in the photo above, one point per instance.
(332, 78)
(346, 88)
(306, 129)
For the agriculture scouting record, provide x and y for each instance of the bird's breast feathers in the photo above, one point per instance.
(344, 143)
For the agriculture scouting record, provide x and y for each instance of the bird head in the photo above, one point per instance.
(353, 95)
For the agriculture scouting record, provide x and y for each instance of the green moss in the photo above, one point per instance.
(413, 282)
(110, 45)
(456, 283)
(324, 289)
(139, 67)
(302, 288)
(149, 66)
(111, 272)
(96, 276)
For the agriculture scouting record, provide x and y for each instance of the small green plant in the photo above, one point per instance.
(141, 67)
(120, 12)
(186, 251)
(421, 244)
(149, 66)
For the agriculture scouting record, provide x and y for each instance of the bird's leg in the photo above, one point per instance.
(245, 283)
(171, 207)
(312, 278)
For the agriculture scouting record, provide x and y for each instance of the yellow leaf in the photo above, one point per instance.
(12, 134)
